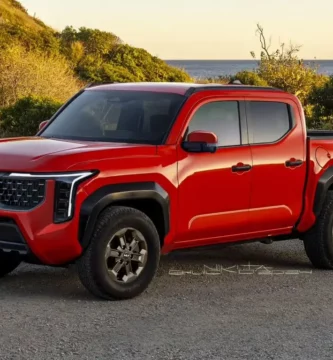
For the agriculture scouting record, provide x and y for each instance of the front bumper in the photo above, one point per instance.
(34, 231)
(11, 238)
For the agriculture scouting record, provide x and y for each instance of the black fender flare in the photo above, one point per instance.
(96, 202)
(324, 183)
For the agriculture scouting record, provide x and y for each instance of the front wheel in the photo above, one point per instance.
(123, 255)
(8, 262)
(318, 241)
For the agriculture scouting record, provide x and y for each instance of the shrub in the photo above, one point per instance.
(13, 34)
(75, 53)
(126, 64)
(292, 76)
(104, 72)
(91, 54)
(24, 73)
(250, 78)
(24, 117)
(284, 70)
(18, 5)
(145, 66)
(96, 42)
(321, 102)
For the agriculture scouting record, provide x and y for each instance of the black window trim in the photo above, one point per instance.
(172, 123)
(292, 122)
(243, 126)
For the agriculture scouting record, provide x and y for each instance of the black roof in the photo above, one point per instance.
(195, 89)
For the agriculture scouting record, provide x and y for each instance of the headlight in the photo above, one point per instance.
(65, 193)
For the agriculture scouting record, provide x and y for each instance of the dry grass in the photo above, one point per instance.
(9, 13)
(24, 73)
(223, 80)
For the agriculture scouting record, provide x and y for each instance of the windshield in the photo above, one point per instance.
(117, 116)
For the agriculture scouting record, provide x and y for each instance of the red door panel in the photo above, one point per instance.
(213, 200)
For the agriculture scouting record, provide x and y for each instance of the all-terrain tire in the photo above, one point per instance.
(9, 262)
(318, 241)
(92, 268)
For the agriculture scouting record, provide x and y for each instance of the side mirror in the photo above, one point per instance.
(42, 124)
(201, 141)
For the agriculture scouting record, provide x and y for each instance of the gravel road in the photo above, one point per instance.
(250, 301)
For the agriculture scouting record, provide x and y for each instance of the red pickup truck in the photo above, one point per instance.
(125, 172)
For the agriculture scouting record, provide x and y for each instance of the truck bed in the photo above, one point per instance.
(320, 134)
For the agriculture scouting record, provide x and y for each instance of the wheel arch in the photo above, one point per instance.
(148, 197)
(325, 184)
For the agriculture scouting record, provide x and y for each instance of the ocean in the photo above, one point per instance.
(215, 68)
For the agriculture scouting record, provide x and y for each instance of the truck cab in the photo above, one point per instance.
(123, 173)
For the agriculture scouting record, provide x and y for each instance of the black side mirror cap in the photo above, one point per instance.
(199, 147)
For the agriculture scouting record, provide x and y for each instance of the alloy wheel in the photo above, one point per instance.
(126, 255)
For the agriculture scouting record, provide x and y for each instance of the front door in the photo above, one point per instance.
(214, 189)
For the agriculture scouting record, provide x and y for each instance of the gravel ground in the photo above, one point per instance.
(204, 304)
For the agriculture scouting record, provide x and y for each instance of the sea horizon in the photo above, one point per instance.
(237, 59)
(215, 68)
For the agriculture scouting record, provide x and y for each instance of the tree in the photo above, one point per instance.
(283, 69)
(95, 42)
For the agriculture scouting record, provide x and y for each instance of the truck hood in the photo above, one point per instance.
(37, 154)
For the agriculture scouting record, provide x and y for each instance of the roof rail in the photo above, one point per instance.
(239, 87)
(100, 83)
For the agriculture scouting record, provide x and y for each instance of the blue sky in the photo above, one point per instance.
(199, 29)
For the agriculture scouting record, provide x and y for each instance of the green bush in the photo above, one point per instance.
(284, 70)
(128, 64)
(291, 76)
(104, 72)
(96, 42)
(24, 117)
(250, 78)
(321, 102)
(101, 56)
(125, 63)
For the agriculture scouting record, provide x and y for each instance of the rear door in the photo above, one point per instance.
(279, 168)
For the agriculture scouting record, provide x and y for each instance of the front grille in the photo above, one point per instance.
(20, 193)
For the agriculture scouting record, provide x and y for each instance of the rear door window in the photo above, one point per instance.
(269, 121)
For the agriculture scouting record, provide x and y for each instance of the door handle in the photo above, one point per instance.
(241, 167)
(293, 163)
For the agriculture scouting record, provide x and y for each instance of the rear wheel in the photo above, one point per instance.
(318, 241)
(8, 262)
(123, 255)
